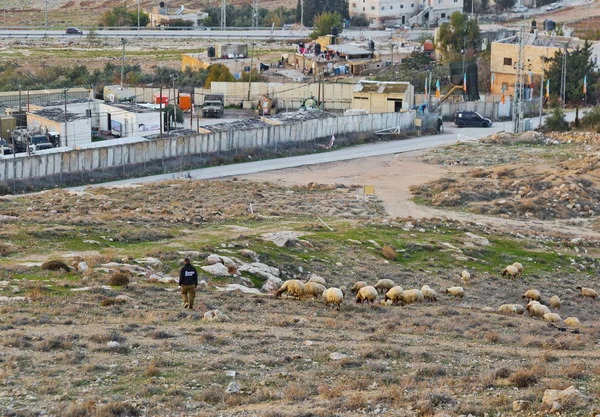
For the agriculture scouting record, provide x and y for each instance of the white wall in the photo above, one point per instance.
(127, 119)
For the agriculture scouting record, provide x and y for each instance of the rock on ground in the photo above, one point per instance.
(272, 284)
(218, 270)
(283, 239)
(241, 288)
(568, 398)
(215, 315)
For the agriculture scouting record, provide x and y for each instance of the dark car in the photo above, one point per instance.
(74, 31)
(4, 146)
(471, 119)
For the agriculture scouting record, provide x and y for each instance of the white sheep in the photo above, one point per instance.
(466, 277)
(357, 286)
(552, 317)
(511, 270)
(384, 285)
(587, 292)
(313, 289)
(456, 291)
(519, 267)
(555, 302)
(317, 279)
(536, 309)
(394, 294)
(333, 296)
(412, 296)
(367, 293)
(532, 295)
(572, 322)
(511, 309)
(293, 287)
(428, 293)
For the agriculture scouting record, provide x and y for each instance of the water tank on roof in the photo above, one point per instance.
(334, 31)
(549, 25)
(161, 4)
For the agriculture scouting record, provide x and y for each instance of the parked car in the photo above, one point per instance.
(519, 9)
(74, 31)
(471, 119)
(39, 142)
(553, 6)
(5, 147)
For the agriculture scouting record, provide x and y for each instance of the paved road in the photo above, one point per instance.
(259, 34)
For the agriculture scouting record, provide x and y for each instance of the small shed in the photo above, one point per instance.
(116, 94)
(383, 96)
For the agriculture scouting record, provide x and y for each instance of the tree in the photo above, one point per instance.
(314, 8)
(218, 72)
(458, 36)
(556, 122)
(579, 66)
(324, 22)
(120, 16)
(359, 20)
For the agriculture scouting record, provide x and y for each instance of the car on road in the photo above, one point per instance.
(471, 119)
(519, 9)
(553, 6)
(73, 31)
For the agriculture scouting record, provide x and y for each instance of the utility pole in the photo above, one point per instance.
(46, 14)
(301, 14)
(393, 68)
(563, 78)
(542, 90)
(66, 117)
(138, 14)
(123, 41)
(160, 111)
(173, 77)
(517, 115)
(223, 14)
(250, 73)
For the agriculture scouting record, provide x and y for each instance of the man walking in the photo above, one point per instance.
(188, 281)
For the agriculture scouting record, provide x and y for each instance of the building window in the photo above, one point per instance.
(443, 15)
(363, 9)
(439, 1)
(412, 5)
(353, 4)
(402, 6)
(372, 7)
(507, 61)
(382, 8)
(391, 7)
(505, 86)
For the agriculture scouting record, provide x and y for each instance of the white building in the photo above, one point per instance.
(392, 13)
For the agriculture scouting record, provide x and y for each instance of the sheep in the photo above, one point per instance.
(552, 317)
(572, 322)
(344, 290)
(519, 267)
(536, 309)
(532, 295)
(456, 291)
(412, 296)
(317, 279)
(394, 294)
(511, 270)
(555, 302)
(367, 293)
(428, 293)
(587, 292)
(511, 309)
(313, 289)
(384, 285)
(333, 296)
(293, 287)
(466, 277)
(357, 286)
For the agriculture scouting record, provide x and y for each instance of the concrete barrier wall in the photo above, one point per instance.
(52, 163)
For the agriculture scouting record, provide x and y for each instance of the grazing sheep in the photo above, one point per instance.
(511, 270)
(357, 286)
(367, 293)
(519, 266)
(317, 279)
(511, 309)
(384, 285)
(552, 317)
(313, 289)
(456, 291)
(293, 287)
(412, 296)
(466, 277)
(536, 309)
(572, 322)
(333, 296)
(394, 294)
(555, 302)
(344, 290)
(532, 295)
(587, 292)
(428, 293)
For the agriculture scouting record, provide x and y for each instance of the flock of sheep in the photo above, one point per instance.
(394, 294)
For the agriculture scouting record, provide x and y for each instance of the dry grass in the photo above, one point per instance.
(118, 279)
(55, 265)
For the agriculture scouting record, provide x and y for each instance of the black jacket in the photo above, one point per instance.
(188, 275)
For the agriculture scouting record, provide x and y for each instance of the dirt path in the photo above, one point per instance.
(392, 175)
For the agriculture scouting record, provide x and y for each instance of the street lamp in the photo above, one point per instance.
(174, 77)
(123, 41)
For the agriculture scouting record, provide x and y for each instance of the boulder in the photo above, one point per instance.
(215, 315)
(82, 267)
(241, 288)
(150, 262)
(283, 239)
(477, 240)
(125, 298)
(213, 259)
(4, 299)
(250, 254)
(233, 388)
(521, 405)
(158, 277)
(218, 270)
(271, 284)
(568, 398)
(336, 356)
(189, 253)
(260, 269)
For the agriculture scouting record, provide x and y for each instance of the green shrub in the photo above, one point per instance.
(591, 118)
(556, 122)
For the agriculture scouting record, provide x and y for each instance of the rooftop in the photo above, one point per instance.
(543, 40)
(349, 50)
(382, 87)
